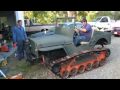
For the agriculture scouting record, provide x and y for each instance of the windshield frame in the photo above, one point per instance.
(65, 18)
(72, 25)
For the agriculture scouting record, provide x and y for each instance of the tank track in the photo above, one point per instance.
(79, 63)
(68, 66)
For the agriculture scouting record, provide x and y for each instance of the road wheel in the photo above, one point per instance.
(107, 52)
(88, 66)
(81, 69)
(4, 63)
(102, 62)
(73, 72)
(95, 64)
(56, 68)
(65, 75)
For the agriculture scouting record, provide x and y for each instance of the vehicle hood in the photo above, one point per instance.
(51, 40)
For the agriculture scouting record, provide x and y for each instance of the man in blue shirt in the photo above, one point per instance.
(19, 38)
(83, 34)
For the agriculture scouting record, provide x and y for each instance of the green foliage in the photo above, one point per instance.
(81, 14)
(48, 17)
(28, 14)
(112, 14)
(91, 15)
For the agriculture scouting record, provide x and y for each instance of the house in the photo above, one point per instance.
(10, 17)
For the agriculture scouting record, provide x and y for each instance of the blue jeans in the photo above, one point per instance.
(78, 39)
(20, 49)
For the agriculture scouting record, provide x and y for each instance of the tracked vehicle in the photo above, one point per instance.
(56, 49)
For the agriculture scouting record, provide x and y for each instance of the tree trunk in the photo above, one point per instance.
(71, 13)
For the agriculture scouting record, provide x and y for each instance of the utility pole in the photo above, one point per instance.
(113, 13)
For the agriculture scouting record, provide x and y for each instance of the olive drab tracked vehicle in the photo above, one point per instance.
(56, 49)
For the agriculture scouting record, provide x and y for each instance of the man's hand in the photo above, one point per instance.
(83, 29)
(76, 30)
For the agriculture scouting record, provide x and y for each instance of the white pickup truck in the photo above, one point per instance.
(104, 23)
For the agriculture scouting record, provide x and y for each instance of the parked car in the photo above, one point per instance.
(104, 23)
(116, 29)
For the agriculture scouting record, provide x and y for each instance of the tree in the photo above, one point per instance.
(28, 14)
(91, 15)
(71, 13)
(48, 17)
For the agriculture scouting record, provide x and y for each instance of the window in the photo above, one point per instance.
(104, 19)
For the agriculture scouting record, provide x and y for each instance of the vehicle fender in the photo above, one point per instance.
(51, 48)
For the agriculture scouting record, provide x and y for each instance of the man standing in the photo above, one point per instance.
(19, 38)
(84, 34)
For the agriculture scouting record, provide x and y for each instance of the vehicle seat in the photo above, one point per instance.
(84, 42)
